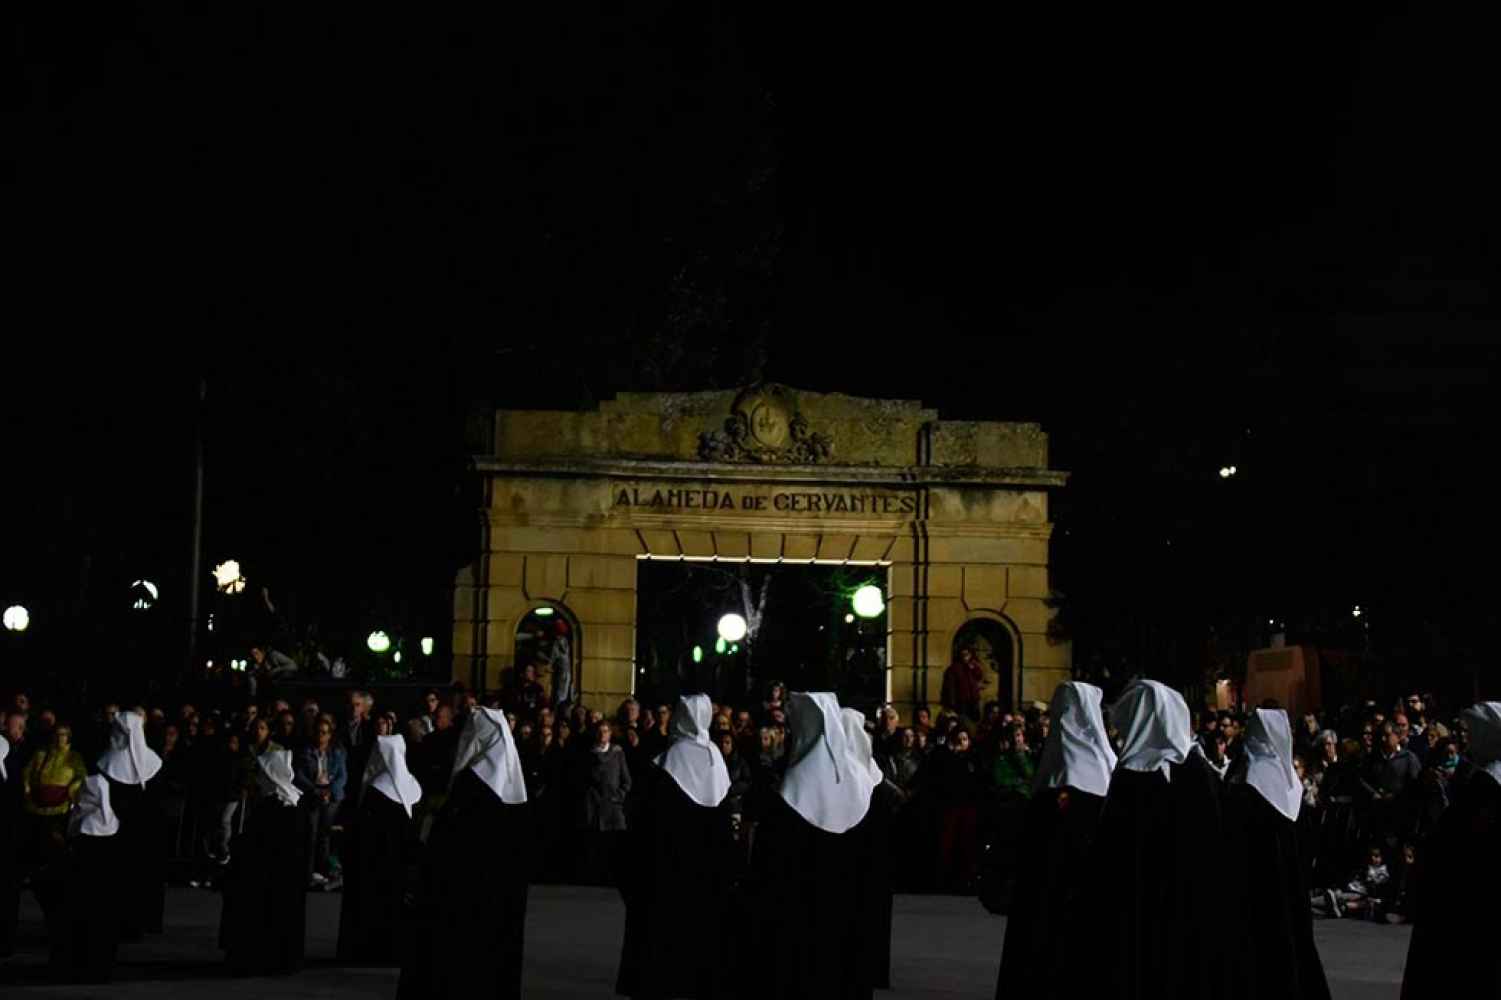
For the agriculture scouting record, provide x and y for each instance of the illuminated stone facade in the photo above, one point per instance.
(958, 511)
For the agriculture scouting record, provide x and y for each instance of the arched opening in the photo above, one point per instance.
(548, 637)
(993, 645)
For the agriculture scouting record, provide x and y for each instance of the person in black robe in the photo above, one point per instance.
(678, 864)
(1058, 830)
(376, 851)
(1453, 949)
(807, 938)
(1146, 879)
(129, 764)
(876, 899)
(263, 926)
(1270, 938)
(469, 924)
(10, 845)
(77, 890)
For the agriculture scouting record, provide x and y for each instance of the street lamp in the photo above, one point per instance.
(227, 577)
(378, 641)
(732, 627)
(146, 594)
(17, 618)
(868, 601)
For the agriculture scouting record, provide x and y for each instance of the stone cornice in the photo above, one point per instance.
(892, 476)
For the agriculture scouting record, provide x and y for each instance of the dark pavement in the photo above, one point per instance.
(945, 947)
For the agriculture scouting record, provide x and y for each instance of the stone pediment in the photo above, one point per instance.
(765, 425)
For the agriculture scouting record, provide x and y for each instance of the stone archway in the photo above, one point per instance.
(997, 644)
(956, 511)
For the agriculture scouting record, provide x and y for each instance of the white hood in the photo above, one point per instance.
(487, 747)
(694, 762)
(823, 784)
(129, 760)
(273, 775)
(1077, 752)
(387, 773)
(857, 738)
(1269, 761)
(92, 815)
(1155, 726)
(1485, 736)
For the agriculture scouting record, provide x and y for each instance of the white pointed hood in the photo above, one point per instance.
(387, 773)
(487, 748)
(1077, 752)
(92, 815)
(1269, 761)
(1155, 726)
(129, 760)
(1485, 736)
(822, 783)
(857, 738)
(694, 762)
(273, 775)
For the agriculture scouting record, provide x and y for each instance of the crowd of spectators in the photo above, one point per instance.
(1376, 780)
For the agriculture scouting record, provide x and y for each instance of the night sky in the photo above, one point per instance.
(1176, 238)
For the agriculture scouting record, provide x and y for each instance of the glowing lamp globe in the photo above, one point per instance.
(427, 645)
(227, 577)
(17, 618)
(732, 628)
(868, 601)
(378, 641)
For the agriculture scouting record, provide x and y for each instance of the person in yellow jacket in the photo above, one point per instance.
(50, 785)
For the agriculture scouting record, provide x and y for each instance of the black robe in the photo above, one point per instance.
(676, 885)
(377, 848)
(469, 925)
(1270, 934)
(10, 869)
(807, 935)
(1055, 843)
(1453, 952)
(876, 897)
(143, 842)
(80, 901)
(263, 927)
(1152, 877)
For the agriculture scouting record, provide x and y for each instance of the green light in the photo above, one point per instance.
(378, 641)
(698, 654)
(720, 645)
(735, 648)
(868, 601)
(543, 611)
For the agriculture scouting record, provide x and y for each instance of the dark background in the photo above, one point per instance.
(1178, 239)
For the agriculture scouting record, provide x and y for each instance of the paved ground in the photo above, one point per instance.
(945, 947)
